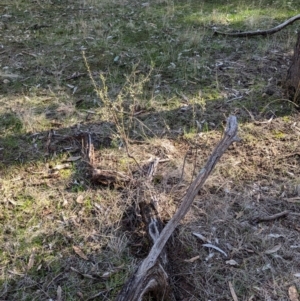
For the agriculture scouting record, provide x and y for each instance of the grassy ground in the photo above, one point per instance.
(164, 87)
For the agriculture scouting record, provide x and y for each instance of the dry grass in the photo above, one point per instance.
(164, 86)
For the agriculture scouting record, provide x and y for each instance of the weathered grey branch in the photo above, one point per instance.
(266, 32)
(143, 281)
(271, 217)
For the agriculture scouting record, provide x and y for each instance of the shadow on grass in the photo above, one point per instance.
(20, 148)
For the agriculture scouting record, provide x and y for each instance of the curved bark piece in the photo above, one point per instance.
(259, 32)
(150, 275)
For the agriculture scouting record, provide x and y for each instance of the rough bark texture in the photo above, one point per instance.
(151, 275)
(292, 84)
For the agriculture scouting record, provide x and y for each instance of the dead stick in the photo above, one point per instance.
(271, 217)
(139, 283)
(259, 32)
(229, 137)
(294, 213)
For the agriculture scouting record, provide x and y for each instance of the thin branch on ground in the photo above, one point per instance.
(266, 32)
(271, 217)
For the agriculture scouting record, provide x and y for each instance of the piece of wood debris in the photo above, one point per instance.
(271, 217)
(232, 291)
(192, 259)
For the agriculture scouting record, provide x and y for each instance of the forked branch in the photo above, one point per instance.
(150, 274)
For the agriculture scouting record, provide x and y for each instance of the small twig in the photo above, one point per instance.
(152, 169)
(48, 143)
(271, 217)
(195, 163)
(90, 150)
(57, 276)
(250, 114)
(145, 126)
(98, 295)
(182, 173)
(234, 98)
(264, 122)
(289, 155)
(232, 291)
(75, 75)
(130, 156)
(183, 166)
(294, 213)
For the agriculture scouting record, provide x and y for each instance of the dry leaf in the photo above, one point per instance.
(79, 199)
(30, 261)
(233, 294)
(202, 237)
(75, 270)
(58, 293)
(216, 248)
(293, 294)
(12, 202)
(107, 274)
(61, 166)
(273, 250)
(239, 214)
(192, 259)
(79, 252)
(231, 262)
(73, 158)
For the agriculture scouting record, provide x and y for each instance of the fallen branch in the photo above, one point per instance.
(267, 32)
(232, 291)
(150, 276)
(271, 217)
